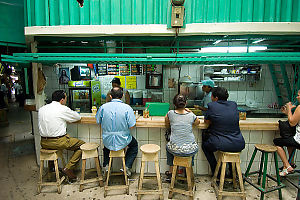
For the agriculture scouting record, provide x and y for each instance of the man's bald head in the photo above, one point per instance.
(116, 93)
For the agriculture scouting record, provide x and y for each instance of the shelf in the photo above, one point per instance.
(233, 74)
(80, 100)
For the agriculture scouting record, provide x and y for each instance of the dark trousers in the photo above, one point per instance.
(130, 155)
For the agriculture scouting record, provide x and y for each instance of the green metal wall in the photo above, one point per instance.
(115, 12)
(12, 22)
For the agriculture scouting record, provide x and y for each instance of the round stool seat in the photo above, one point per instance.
(230, 153)
(266, 147)
(89, 146)
(48, 151)
(150, 148)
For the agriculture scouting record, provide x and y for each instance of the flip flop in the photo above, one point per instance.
(285, 172)
(293, 166)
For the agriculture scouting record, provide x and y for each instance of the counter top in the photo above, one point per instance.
(159, 122)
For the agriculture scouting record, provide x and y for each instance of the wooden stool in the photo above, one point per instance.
(224, 158)
(149, 153)
(265, 150)
(90, 150)
(50, 155)
(116, 154)
(187, 163)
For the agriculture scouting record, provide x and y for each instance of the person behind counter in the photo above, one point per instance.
(116, 119)
(208, 85)
(52, 119)
(224, 131)
(292, 142)
(117, 83)
(182, 140)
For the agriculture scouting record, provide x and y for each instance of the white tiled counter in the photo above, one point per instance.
(152, 130)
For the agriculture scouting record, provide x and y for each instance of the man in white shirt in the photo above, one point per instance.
(53, 120)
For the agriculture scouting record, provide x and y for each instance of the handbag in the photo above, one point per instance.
(168, 134)
(286, 130)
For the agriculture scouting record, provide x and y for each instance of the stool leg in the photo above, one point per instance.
(189, 181)
(222, 177)
(99, 171)
(125, 176)
(214, 179)
(140, 184)
(239, 172)
(82, 175)
(172, 182)
(277, 175)
(234, 175)
(107, 177)
(260, 168)
(57, 177)
(158, 179)
(250, 163)
(41, 177)
(264, 176)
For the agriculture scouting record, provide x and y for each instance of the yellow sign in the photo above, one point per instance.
(122, 79)
(130, 82)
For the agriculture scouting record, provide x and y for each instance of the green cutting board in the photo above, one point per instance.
(158, 109)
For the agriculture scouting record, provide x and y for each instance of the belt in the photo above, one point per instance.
(46, 138)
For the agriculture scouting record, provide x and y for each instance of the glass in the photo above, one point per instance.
(146, 113)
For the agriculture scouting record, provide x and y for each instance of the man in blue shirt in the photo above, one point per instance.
(208, 85)
(116, 119)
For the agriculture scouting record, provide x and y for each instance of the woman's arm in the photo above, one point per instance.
(206, 121)
(167, 121)
(293, 118)
(196, 122)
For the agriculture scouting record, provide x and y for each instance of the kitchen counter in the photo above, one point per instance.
(159, 122)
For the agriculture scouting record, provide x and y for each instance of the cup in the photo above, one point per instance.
(94, 110)
(77, 110)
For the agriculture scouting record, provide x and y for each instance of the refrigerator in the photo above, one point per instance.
(84, 95)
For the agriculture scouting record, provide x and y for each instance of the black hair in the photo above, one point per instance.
(179, 101)
(220, 92)
(116, 93)
(58, 95)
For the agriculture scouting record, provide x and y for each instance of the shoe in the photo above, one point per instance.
(69, 173)
(285, 172)
(51, 166)
(105, 169)
(128, 171)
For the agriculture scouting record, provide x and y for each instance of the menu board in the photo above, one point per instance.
(124, 69)
(102, 69)
(112, 69)
(136, 69)
(130, 82)
(149, 68)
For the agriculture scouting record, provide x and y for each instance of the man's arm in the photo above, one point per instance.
(70, 115)
(127, 98)
(167, 121)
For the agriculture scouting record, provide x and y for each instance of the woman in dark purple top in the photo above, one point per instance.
(224, 131)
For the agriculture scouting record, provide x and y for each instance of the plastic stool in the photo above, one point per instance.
(223, 159)
(90, 150)
(187, 163)
(50, 155)
(149, 154)
(116, 154)
(265, 150)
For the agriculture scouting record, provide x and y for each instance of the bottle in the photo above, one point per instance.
(95, 104)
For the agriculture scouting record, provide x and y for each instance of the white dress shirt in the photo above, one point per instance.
(53, 119)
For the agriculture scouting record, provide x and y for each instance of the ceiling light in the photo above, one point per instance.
(231, 49)
(257, 41)
(217, 42)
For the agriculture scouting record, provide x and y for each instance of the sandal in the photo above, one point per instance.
(168, 174)
(285, 172)
(293, 166)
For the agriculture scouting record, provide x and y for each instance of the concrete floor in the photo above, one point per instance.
(19, 172)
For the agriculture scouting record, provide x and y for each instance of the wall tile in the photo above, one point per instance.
(141, 143)
(255, 137)
(133, 132)
(83, 131)
(244, 153)
(163, 165)
(233, 96)
(259, 96)
(94, 131)
(154, 134)
(246, 135)
(142, 134)
(268, 137)
(202, 167)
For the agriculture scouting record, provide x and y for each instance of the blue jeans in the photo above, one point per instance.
(129, 156)
(170, 157)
